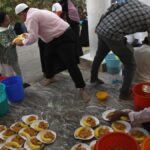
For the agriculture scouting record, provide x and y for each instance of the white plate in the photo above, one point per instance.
(22, 125)
(80, 144)
(43, 132)
(83, 119)
(105, 113)
(10, 140)
(26, 146)
(24, 137)
(103, 127)
(145, 132)
(2, 136)
(127, 125)
(80, 138)
(35, 124)
(2, 126)
(24, 119)
(93, 143)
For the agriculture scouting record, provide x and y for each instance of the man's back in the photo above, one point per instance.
(125, 19)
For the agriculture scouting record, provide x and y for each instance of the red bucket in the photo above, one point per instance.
(117, 140)
(141, 98)
(2, 78)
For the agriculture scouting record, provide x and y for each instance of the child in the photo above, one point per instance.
(8, 54)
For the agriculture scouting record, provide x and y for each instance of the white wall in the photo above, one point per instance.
(95, 8)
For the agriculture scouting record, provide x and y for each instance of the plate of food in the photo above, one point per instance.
(2, 142)
(40, 125)
(139, 134)
(121, 126)
(19, 38)
(107, 113)
(2, 128)
(6, 134)
(15, 141)
(102, 130)
(29, 119)
(27, 133)
(34, 143)
(84, 133)
(80, 146)
(46, 136)
(17, 126)
(89, 121)
(93, 145)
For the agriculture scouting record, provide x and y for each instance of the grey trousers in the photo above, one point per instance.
(125, 53)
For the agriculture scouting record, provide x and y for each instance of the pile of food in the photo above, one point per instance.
(91, 128)
(28, 134)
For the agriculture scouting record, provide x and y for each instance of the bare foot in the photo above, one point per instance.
(84, 95)
(47, 81)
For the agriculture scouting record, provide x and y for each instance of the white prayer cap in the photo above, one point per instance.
(20, 8)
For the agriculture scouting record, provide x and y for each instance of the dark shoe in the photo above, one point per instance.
(97, 81)
(25, 85)
(126, 96)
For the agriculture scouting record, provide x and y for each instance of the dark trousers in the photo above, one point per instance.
(41, 45)
(125, 53)
(61, 54)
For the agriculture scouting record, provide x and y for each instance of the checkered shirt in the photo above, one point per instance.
(128, 18)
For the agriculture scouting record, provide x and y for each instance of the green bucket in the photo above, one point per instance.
(4, 107)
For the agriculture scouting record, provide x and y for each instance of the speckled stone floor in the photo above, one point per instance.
(61, 106)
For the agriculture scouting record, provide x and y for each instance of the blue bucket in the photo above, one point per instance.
(4, 107)
(14, 88)
(113, 64)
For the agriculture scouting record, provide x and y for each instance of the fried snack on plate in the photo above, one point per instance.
(2, 128)
(15, 141)
(139, 134)
(89, 121)
(121, 126)
(16, 127)
(40, 125)
(84, 133)
(27, 133)
(19, 38)
(102, 130)
(46, 136)
(107, 113)
(80, 146)
(7, 133)
(34, 143)
(93, 145)
(29, 119)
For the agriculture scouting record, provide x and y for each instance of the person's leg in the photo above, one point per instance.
(125, 53)
(41, 45)
(101, 53)
(66, 52)
(16, 69)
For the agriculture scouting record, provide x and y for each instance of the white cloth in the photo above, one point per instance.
(56, 7)
(142, 58)
(140, 117)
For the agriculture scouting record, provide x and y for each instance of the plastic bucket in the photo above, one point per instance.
(2, 78)
(141, 99)
(4, 108)
(14, 88)
(117, 140)
(146, 144)
(113, 64)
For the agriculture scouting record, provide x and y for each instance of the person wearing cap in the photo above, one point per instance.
(56, 7)
(60, 43)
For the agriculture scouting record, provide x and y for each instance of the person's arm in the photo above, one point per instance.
(140, 117)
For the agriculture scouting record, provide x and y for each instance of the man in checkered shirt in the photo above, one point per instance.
(121, 19)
